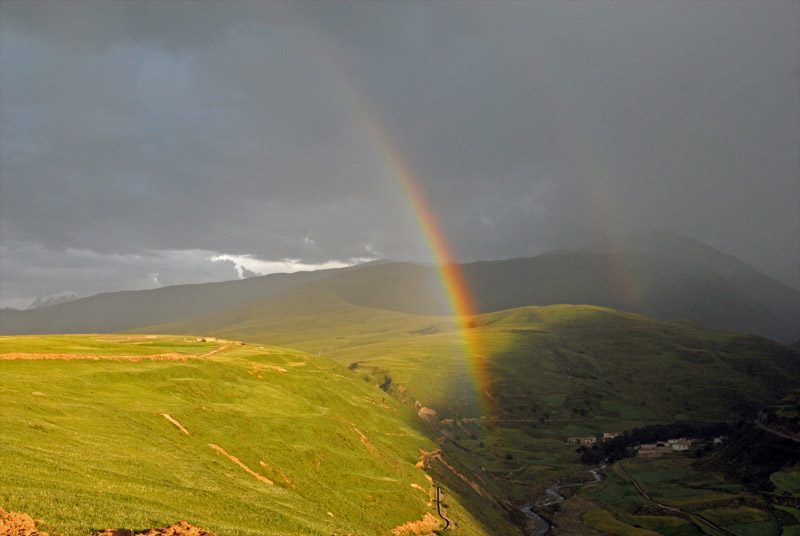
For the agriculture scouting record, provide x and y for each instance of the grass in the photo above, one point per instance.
(673, 481)
(86, 447)
(788, 515)
(554, 372)
(104, 344)
(786, 483)
(549, 373)
(605, 521)
(743, 521)
(549, 367)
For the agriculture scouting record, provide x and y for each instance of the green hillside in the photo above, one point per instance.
(140, 432)
(558, 362)
(555, 372)
(331, 422)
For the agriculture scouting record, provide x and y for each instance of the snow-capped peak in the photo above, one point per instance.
(53, 299)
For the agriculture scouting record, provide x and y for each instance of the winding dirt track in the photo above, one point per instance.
(171, 356)
(775, 432)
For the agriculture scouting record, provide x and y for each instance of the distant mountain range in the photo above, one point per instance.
(661, 274)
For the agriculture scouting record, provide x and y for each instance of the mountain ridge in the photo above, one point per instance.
(662, 275)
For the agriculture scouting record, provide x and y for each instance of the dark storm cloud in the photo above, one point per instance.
(155, 128)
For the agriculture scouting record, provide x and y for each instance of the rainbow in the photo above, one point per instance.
(595, 189)
(450, 272)
(451, 275)
(595, 185)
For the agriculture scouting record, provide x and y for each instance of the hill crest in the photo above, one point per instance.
(662, 275)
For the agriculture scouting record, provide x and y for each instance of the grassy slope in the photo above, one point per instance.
(85, 445)
(556, 371)
(562, 371)
(563, 358)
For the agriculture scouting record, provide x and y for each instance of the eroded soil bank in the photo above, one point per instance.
(20, 524)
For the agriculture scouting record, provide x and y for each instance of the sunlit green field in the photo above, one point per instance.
(104, 344)
(95, 444)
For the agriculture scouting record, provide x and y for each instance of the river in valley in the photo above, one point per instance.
(553, 496)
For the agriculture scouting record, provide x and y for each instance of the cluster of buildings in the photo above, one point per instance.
(221, 341)
(589, 441)
(648, 450)
(655, 450)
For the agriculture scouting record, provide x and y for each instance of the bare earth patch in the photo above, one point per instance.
(426, 525)
(261, 366)
(182, 528)
(428, 494)
(365, 440)
(474, 485)
(274, 470)
(16, 524)
(176, 423)
(238, 462)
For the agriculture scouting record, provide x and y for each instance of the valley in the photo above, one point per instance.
(348, 401)
(399, 268)
(349, 432)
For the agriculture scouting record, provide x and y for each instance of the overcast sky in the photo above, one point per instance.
(155, 143)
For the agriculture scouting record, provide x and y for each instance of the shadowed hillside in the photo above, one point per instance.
(631, 364)
(650, 284)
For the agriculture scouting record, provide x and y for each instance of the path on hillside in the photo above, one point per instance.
(690, 515)
(775, 432)
(170, 356)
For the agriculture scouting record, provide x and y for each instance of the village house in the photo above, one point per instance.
(653, 450)
(681, 444)
(585, 441)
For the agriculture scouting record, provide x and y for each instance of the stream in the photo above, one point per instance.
(553, 496)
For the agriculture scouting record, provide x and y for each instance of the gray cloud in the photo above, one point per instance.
(88, 272)
(141, 128)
